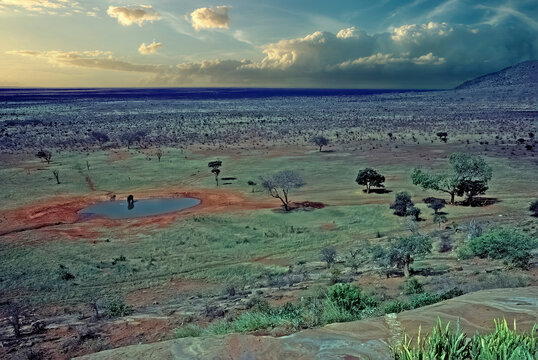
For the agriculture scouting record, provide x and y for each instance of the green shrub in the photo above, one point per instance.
(117, 308)
(395, 306)
(190, 330)
(444, 342)
(413, 286)
(424, 299)
(510, 245)
(349, 298)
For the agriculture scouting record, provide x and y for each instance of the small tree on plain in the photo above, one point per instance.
(44, 155)
(215, 165)
(442, 136)
(280, 184)
(402, 204)
(328, 254)
(414, 212)
(403, 251)
(320, 141)
(369, 177)
(252, 184)
(159, 154)
(439, 219)
(56, 174)
(436, 205)
(534, 208)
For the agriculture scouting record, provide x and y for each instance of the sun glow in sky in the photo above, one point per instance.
(263, 43)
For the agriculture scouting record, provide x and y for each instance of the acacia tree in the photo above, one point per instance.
(215, 165)
(403, 252)
(320, 141)
(279, 185)
(442, 136)
(369, 177)
(44, 155)
(436, 204)
(402, 204)
(465, 168)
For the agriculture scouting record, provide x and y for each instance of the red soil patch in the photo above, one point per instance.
(118, 155)
(328, 227)
(58, 214)
(167, 291)
(136, 331)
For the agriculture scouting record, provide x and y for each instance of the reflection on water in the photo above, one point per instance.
(144, 207)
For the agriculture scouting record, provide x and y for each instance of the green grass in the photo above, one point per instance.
(217, 248)
(447, 343)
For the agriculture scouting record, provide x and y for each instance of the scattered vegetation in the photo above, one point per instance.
(510, 245)
(445, 342)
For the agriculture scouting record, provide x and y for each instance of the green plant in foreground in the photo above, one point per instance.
(446, 343)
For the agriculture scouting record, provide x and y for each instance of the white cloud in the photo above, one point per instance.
(425, 55)
(210, 18)
(348, 33)
(150, 48)
(42, 6)
(129, 15)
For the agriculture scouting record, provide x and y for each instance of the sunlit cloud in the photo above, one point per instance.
(210, 18)
(42, 6)
(129, 15)
(150, 48)
(412, 55)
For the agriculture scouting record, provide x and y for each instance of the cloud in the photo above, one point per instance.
(434, 55)
(39, 5)
(150, 48)
(210, 18)
(129, 15)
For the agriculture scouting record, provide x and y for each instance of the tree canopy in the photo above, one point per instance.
(469, 175)
(402, 252)
(369, 177)
(279, 185)
(320, 141)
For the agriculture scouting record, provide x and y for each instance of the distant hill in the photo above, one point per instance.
(524, 75)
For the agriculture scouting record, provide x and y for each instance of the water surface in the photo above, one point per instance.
(118, 209)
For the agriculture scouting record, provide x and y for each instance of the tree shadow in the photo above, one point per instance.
(327, 151)
(378, 191)
(479, 202)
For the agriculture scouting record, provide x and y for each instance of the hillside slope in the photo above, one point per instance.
(354, 340)
(524, 74)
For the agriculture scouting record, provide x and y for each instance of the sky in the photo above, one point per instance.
(262, 43)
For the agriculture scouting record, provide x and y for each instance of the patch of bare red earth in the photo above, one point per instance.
(58, 216)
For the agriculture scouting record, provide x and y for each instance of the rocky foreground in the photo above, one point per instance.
(365, 339)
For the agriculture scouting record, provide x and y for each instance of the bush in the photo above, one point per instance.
(349, 298)
(190, 330)
(424, 299)
(117, 308)
(444, 342)
(510, 245)
(413, 286)
(395, 306)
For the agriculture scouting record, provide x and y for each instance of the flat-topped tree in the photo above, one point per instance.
(279, 185)
(215, 165)
(369, 177)
(44, 155)
(467, 171)
(320, 141)
(442, 136)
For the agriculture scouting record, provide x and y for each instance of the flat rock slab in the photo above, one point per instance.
(364, 339)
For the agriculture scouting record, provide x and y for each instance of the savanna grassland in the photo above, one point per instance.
(239, 262)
